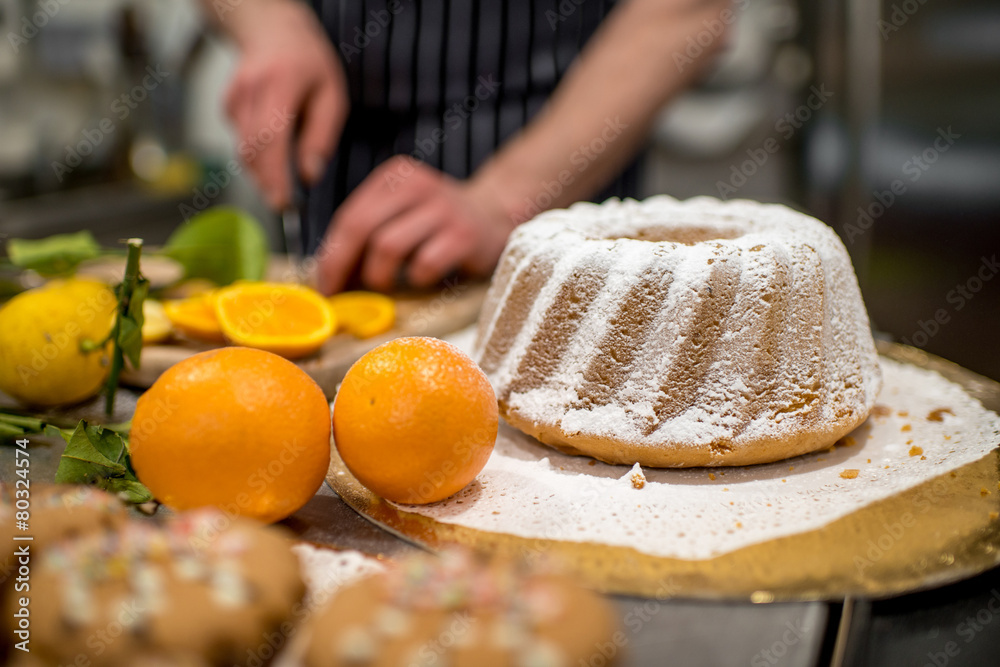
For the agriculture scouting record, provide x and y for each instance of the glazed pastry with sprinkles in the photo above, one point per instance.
(202, 590)
(458, 611)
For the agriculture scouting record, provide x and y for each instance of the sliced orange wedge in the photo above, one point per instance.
(363, 314)
(290, 320)
(195, 317)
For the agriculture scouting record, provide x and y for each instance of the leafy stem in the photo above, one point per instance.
(126, 334)
(16, 425)
(97, 455)
(100, 456)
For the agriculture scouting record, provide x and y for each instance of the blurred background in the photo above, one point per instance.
(882, 121)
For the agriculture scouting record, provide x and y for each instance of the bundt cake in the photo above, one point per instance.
(678, 333)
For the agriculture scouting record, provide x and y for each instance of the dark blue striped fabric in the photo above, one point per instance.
(470, 73)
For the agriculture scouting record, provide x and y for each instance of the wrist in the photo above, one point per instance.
(254, 21)
(505, 198)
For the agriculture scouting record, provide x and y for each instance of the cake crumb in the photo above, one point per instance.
(869, 460)
(791, 468)
(850, 473)
(923, 458)
(903, 413)
(916, 451)
(881, 411)
(636, 477)
(784, 481)
(847, 441)
(910, 441)
(995, 515)
(906, 427)
(938, 415)
(984, 492)
(496, 512)
(711, 476)
(739, 524)
(592, 462)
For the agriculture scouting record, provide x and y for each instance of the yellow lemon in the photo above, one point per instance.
(156, 326)
(42, 337)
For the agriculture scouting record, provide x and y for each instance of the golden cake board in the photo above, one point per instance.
(881, 550)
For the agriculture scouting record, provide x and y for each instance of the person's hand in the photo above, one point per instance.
(407, 215)
(288, 74)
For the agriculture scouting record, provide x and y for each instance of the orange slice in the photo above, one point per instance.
(363, 314)
(290, 320)
(195, 317)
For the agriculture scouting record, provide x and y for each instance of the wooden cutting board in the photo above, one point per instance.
(449, 309)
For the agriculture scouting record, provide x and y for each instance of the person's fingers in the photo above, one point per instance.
(392, 243)
(271, 143)
(439, 256)
(323, 120)
(240, 103)
(370, 205)
(381, 197)
(329, 276)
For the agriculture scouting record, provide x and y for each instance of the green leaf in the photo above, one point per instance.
(139, 295)
(54, 255)
(132, 491)
(130, 340)
(127, 331)
(130, 332)
(92, 454)
(222, 244)
(122, 428)
(54, 431)
(100, 456)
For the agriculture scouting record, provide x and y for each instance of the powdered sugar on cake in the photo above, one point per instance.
(757, 303)
(531, 491)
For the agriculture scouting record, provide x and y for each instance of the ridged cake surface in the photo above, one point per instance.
(670, 333)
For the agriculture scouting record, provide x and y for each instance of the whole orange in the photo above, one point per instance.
(235, 428)
(415, 420)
